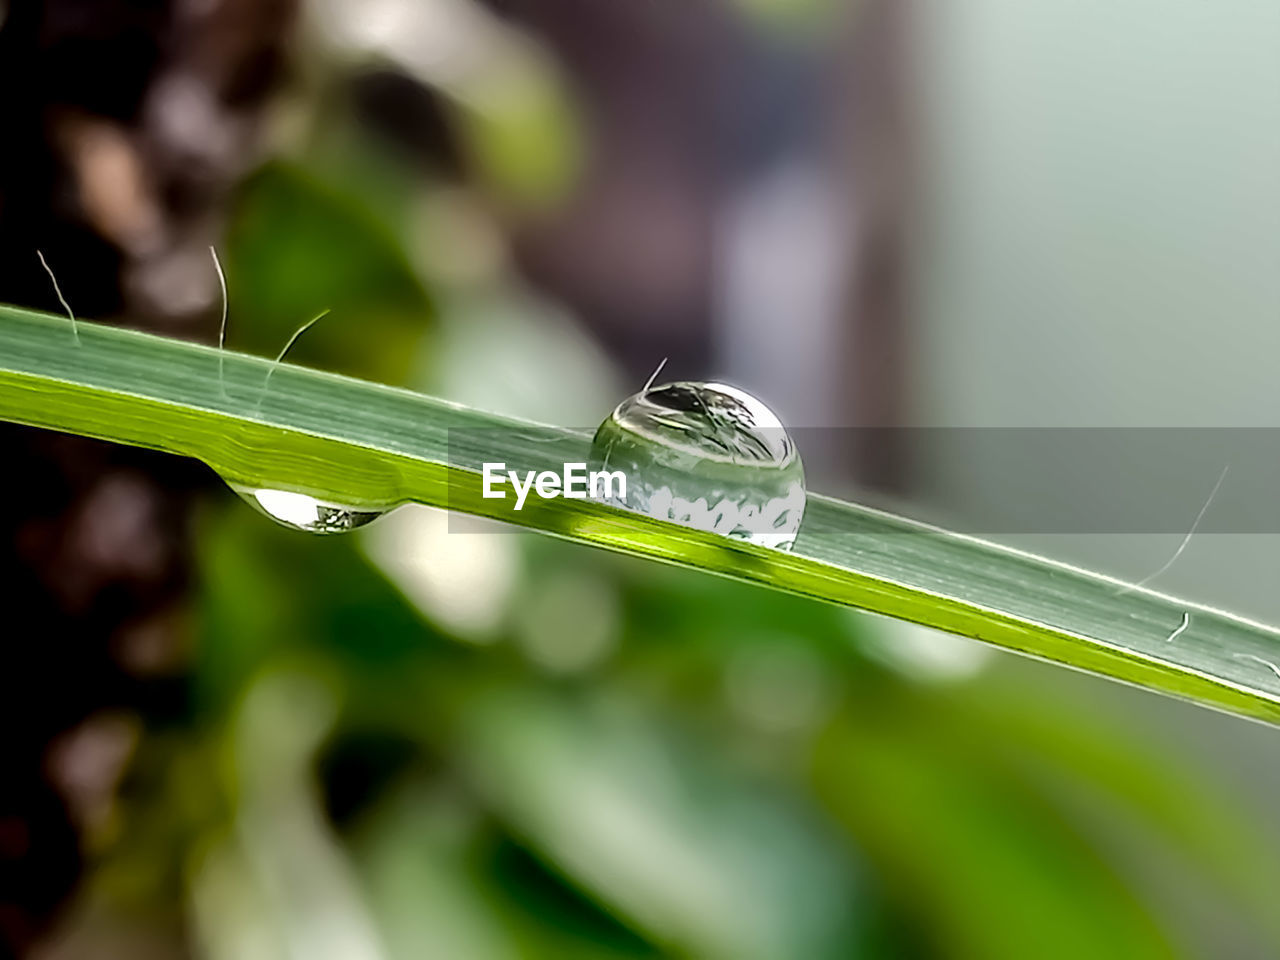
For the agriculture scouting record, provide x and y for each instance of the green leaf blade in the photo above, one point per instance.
(363, 444)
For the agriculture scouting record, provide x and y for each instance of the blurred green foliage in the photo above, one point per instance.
(728, 776)
(337, 255)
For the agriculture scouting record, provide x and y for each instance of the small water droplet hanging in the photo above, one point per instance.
(708, 456)
(298, 511)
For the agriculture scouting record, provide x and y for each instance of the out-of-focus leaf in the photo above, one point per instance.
(752, 854)
(1151, 799)
(298, 246)
(703, 862)
(280, 876)
(509, 100)
(986, 865)
(523, 137)
(439, 877)
(269, 593)
(419, 870)
(1007, 834)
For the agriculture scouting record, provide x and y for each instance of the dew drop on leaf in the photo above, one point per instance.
(708, 456)
(298, 511)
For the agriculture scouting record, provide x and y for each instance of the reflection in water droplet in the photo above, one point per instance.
(301, 512)
(705, 455)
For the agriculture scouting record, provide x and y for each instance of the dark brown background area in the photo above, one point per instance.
(127, 124)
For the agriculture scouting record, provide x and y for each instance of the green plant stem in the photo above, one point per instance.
(371, 446)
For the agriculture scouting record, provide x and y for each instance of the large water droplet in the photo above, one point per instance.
(302, 512)
(705, 455)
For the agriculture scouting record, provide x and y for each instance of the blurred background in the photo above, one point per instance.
(227, 740)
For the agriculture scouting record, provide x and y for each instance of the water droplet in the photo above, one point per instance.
(705, 455)
(299, 511)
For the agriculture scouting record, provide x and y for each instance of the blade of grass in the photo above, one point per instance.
(370, 446)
